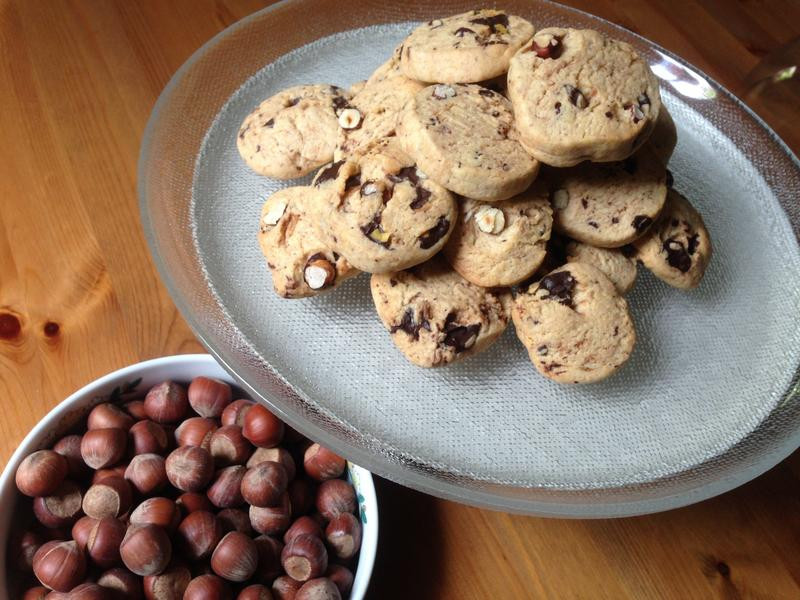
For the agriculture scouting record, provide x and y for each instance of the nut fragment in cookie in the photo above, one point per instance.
(301, 264)
(574, 324)
(579, 95)
(503, 243)
(677, 249)
(380, 211)
(465, 48)
(435, 316)
(613, 262)
(608, 204)
(293, 132)
(463, 137)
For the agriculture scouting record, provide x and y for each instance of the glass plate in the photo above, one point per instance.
(708, 400)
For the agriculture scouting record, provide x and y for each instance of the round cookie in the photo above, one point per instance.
(503, 243)
(463, 136)
(664, 137)
(377, 107)
(293, 132)
(574, 324)
(608, 204)
(579, 95)
(613, 262)
(300, 263)
(380, 211)
(435, 316)
(464, 48)
(677, 249)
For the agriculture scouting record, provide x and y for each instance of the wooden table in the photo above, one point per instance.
(79, 297)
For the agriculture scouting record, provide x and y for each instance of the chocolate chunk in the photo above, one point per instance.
(329, 173)
(576, 96)
(462, 31)
(584, 203)
(614, 220)
(423, 196)
(352, 182)
(270, 123)
(374, 232)
(293, 101)
(386, 195)
(486, 92)
(609, 114)
(405, 174)
(677, 256)
(593, 224)
(409, 325)
(549, 367)
(434, 234)
(641, 223)
(258, 147)
(393, 282)
(691, 246)
(493, 22)
(559, 286)
(558, 108)
(340, 103)
(460, 337)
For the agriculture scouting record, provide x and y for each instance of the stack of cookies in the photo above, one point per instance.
(485, 173)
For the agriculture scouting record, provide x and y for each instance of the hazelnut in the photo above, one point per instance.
(101, 448)
(343, 535)
(209, 397)
(235, 519)
(319, 273)
(195, 431)
(147, 437)
(285, 588)
(264, 484)
(169, 585)
(118, 471)
(166, 402)
(61, 509)
(342, 577)
(321, 464)
(235, 411)
(103, 542)
(207, 587)
(262, 428)
(111, 497)
(21, 549)
(255, 592)
(272, 520)
(135, 408)
(269, 557)
(304, 558)
(441, 92)
(147, 473)
(301, 494)
(349, 118)
(35, 593)
(335, 497)
(303, 525)
(108, 416)
(560, 199)
(321, 588)
(70, 448)
(274, 209)
(189, 468)
(59, 565)
(198, 534)
(490, 219)
(278, 455)
(226, 489)
(124, 584)
(235, 558)
(82, 529)
(229, 447)
(190, 502)
(145, 550)
(90, 591)
(159, 511)
(41, 473)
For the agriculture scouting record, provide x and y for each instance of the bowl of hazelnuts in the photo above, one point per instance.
(161, 481)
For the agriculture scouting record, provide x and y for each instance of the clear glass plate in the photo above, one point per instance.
(708, 400)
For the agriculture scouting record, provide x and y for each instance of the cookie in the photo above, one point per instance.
(502, 243)
(574, 324)
(579, 95)
(464, 48)
(463, 136)
(664, 137)
(380, 211)
(678, 248)
(372, 113)
(608, 204)
(300, 263)
(293, 132)
(616, 264)
(435, 316)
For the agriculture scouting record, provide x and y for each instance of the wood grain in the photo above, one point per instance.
(79, 297)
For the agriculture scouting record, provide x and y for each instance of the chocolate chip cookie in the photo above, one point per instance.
(293, 132)
(579, 95)
(608, 204)
(463, 136)
(678, 248)
(502, 243)
(380, 211)
(574, 324)
(300, 263)
(617, 264)
(435, 316)
(465, 48)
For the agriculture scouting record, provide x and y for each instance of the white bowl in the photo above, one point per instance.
(178, 368)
